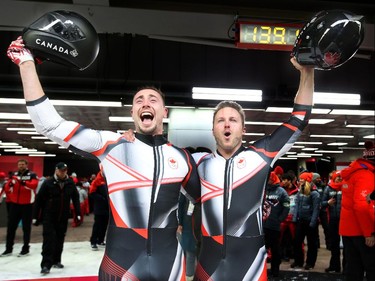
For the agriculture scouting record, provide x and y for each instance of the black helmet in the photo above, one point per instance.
(329, 39)
(64, 37)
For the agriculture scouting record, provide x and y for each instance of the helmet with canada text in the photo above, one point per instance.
(329, 39)
(63, 37)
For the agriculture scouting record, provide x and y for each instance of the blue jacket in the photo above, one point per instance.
(307, 208)
(280, 204)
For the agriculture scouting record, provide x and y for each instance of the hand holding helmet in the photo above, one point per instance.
(18, 53)
(329, 39)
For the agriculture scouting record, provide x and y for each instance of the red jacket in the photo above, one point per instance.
(99, 180)
(357, 216)
(20, 189)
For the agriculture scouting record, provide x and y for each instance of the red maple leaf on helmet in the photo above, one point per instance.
(331, 58)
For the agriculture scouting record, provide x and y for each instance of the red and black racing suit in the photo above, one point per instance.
(144, 180)
(232, 192)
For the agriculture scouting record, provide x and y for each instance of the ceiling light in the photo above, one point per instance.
(297, 146)
(18, 116)
(10, 146)
(42, 155)
(308, 142)
(263, 123)
(369, 137)
(288, 158)
(87, 103)
(332, 136)
(309, 148)
(9, 143)
(320, 121)
(290, 109)
(360, 126)
(254, 134)
(352, 112)
(50, 142)
(337, 143)
(226, 94)
(291, 152)
(128, 119)
(68, 102)
(39, 138)
(329, 151)
(309, 154)
(336, 98)
(27, 133)
(21, 129)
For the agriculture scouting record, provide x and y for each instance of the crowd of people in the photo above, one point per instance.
(58, 198)
(244, 209)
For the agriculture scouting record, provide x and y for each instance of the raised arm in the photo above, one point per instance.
(305, 91)
(23, 58)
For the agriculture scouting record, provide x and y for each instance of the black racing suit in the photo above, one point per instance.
(232, 194)
(144, 180)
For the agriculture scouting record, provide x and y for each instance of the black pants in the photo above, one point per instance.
(311, 233)
(272, 241)
(99, 228)
(17, 213)
(333, 227)
(359, 259)
(53, 242)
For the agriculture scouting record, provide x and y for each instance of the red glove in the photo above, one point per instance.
(18, 53)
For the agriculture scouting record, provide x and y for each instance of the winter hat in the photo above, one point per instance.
(307, 176)
(61, 166)
(278, 170)
(315, 176)
(369, 152)
(334, 175)
(274, 179)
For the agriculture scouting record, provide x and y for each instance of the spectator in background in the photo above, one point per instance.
(357, 222)
(323, 217)
(306, 219)
(83, 195)
(2, 185)
(288, 227)
(370, 197)
(20, 191)
(279, 171)
(186, 235)
(99, 195)
(74, 177)
(332, 200)
(86, 210)
(279, 200)
(52, 208)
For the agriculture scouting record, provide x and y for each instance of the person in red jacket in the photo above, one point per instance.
(20, 190)
(357, 222)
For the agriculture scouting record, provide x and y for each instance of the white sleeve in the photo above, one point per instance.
(49, 123)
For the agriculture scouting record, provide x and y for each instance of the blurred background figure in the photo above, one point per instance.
(20, 192)
(279, 200)
(357, 218)
(288, 227)
(306, 219)
(323, 217)
(99, 195)
(52, 209)
(332, 200)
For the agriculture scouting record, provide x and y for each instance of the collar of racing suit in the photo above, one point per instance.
(151, 140)
(239, 150)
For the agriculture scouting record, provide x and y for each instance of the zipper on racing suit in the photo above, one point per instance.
(153, 191)
(227, 185)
